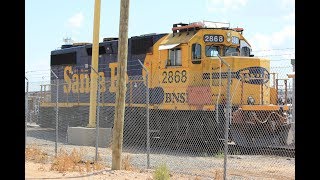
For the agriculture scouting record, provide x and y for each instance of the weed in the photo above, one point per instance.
(35, 154)
(219, 154)
(126, 163)
(218, 175)
(73, 162)
(162, 172)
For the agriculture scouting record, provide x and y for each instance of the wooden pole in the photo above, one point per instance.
(94, 65)
(121, 86)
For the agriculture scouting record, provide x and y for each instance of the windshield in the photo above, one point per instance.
(231, 51)
(212, 51)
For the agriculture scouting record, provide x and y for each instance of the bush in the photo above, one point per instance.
(74, 162)
(161, 173)
(126, 163)
(34, 153)
(220, 154)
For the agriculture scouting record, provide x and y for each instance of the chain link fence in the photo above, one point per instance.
(184, 126)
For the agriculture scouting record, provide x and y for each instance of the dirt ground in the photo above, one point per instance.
(42, 171)
(40, 161)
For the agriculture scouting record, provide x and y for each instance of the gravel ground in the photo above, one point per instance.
(238, 166)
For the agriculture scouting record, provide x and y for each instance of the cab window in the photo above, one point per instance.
(174, 57)
(212, 51)
(245, 51)
(231, 51)
(196, 53)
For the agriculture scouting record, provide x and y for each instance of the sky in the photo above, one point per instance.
(269, 26)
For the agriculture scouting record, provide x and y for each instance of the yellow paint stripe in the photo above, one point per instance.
(263, 107)
(86, 104)
(169, 107)
(209, 107)
(162, 107)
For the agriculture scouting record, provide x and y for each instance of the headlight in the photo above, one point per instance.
(250, 100)
(228, 33)
(228, 39)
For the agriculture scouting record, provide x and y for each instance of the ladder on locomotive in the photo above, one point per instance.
(281, 89)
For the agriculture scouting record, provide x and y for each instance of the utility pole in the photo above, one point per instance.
(117, 138)
(94, 65)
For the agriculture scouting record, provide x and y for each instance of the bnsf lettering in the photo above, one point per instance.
(254, 75)
(80, 83)
(177, 76)
(175, 97)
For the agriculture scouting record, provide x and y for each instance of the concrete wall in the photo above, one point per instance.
(84, 136)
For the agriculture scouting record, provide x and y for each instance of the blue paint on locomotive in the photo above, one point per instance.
(78, 56)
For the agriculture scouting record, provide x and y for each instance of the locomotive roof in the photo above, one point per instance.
(181, 33)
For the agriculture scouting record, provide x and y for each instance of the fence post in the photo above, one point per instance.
(97, 116)
(57, 114)
(98, 112)
(228, 119)
(26, 113)
(147, 102)
(294, 109)
(293, 100)
(98, 121)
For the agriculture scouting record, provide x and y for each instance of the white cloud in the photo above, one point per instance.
(289, 17)
(287, 32)
(76, 20)
(267, 42)
(288, 3)
(224, 5)
(260, 42)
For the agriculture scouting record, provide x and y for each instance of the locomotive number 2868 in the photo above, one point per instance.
(177, 76)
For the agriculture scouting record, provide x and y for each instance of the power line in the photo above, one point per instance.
(280, 59)
(37, 70)
(276, 55)
(262, 50)
(280, 67)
